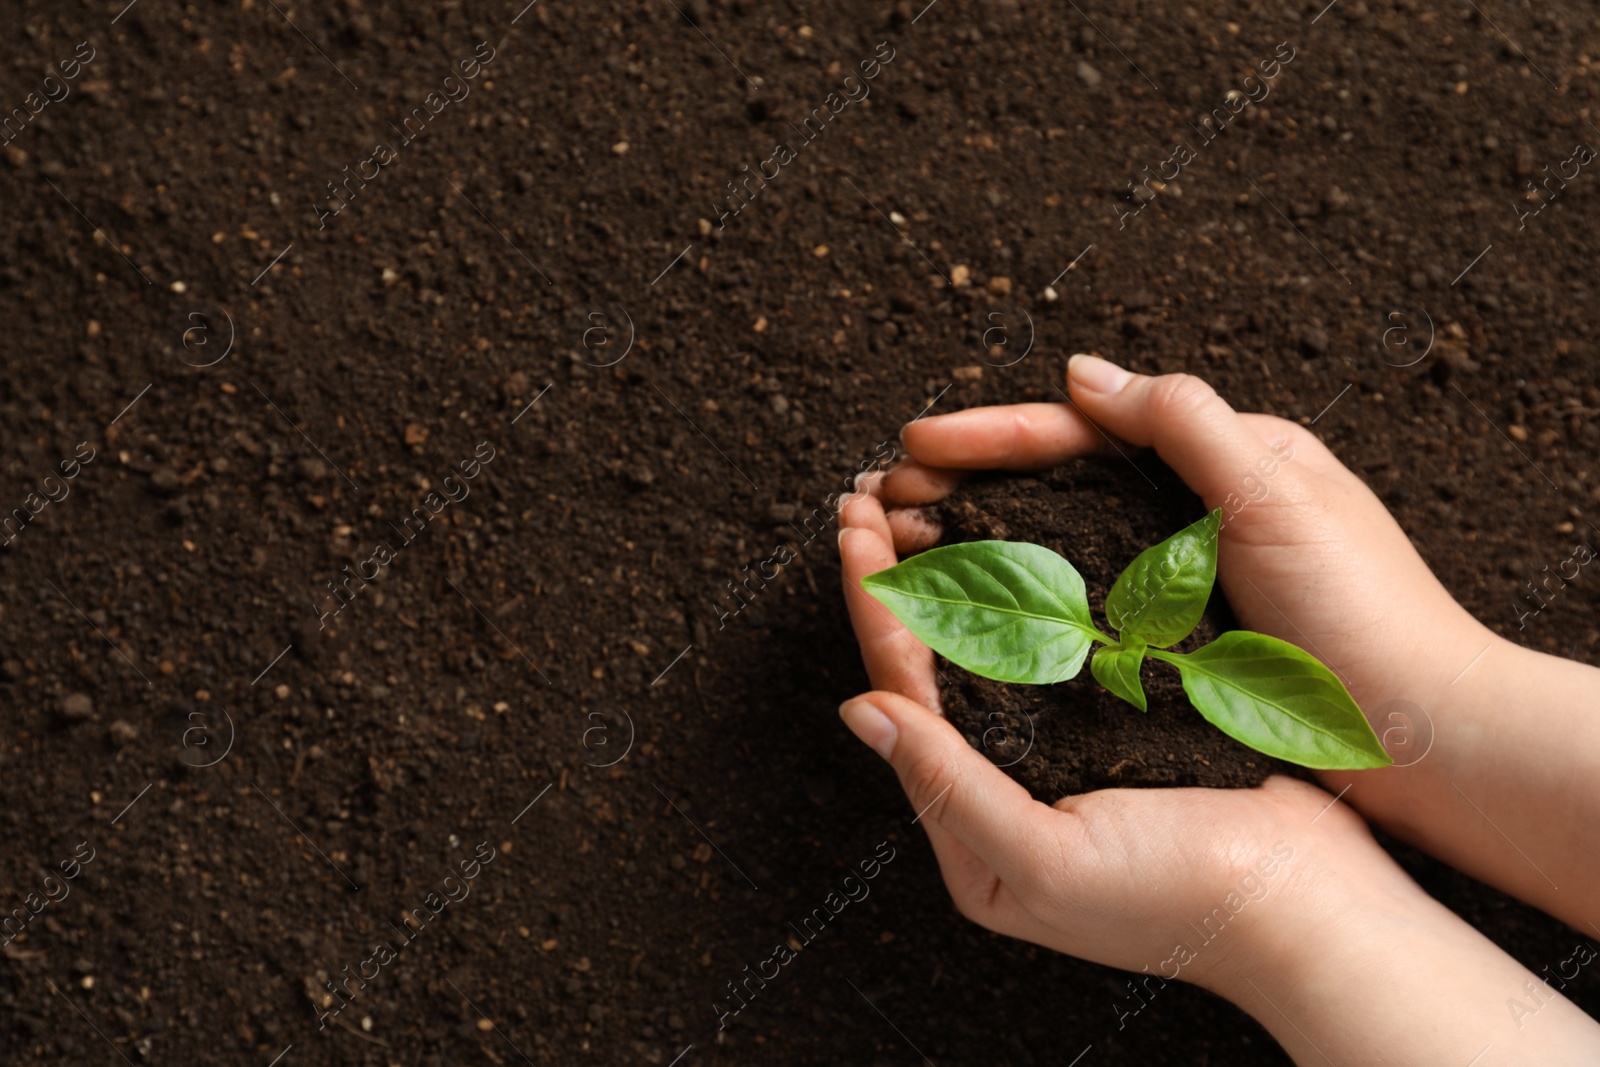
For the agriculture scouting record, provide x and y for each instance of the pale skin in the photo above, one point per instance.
(1345, 960)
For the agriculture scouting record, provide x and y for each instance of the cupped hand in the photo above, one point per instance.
(1308, 554)
(1124, 877)
(1305, 554)
(1310, 907)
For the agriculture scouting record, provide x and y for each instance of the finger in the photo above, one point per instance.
(953, 787)
(1308, 450)
(1191, 428)
(895, 659)
(865, 511)
(978, 892)
(908, 530)
(1011, 437)
(868, 483)
(917, 483)
(913, 530)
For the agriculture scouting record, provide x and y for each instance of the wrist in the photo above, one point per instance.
(1318, 923)
(1387, 974)
(1489, 737)
(1461, 658)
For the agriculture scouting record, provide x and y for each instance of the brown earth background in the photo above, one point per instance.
(264, 394)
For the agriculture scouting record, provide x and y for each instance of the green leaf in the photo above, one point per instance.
(1117, 668)
(1162, 594)
(1270, 695)
(1006, 610)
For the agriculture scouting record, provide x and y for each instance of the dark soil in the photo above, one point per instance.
(1076, 736)
(179, 592)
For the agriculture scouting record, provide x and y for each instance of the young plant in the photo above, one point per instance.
(1018, 612)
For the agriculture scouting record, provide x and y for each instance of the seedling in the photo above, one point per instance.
(1017, 612)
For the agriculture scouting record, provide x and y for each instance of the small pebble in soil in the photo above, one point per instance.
(1315, 341)
(77, 706)
(165, 481)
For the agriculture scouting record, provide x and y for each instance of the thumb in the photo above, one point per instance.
(1192, 429)
(952, 787)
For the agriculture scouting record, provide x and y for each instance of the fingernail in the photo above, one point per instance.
(1097, 375)
(842, 531)
(870, 725)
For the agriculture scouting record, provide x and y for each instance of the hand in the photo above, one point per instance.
(1142, 879)
(1310, 555)
(1272, 897)
(1115, 876)
(1122, 876)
